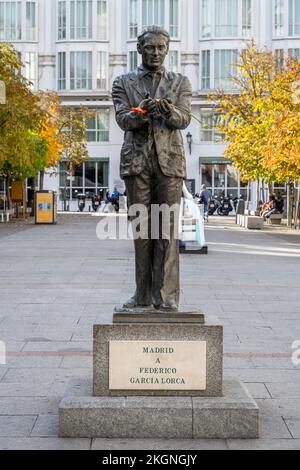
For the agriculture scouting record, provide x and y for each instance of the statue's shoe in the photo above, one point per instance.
(132, 303)
(167, 307)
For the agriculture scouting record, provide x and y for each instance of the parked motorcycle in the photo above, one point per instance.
(81, 202)
(213, 205)
(96, 201)
(225, 207)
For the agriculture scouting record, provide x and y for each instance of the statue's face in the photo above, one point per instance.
(153, 51)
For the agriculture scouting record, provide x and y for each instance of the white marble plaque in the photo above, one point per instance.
(2, 93)
(157, 365)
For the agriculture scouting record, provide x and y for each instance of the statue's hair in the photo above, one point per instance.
(153, 30)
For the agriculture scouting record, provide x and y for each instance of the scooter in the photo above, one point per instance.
(81, 202)
(96, 202)
(213, 206)
(225, 207)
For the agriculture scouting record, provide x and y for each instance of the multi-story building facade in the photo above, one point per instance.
(77, 47)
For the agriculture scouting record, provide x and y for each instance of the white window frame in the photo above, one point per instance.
(213, 26)
(293, 25)
(166, 23)
(89, 75)
(19, 20)
(105, 133)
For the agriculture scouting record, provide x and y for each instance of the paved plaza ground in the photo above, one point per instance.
(57, 281)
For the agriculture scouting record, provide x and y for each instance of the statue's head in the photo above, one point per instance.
(153, 45)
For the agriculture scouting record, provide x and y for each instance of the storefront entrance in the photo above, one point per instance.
(222, 178)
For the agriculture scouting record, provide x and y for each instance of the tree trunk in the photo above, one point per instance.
(289, 205)
(258, 195)
(297, 206)
(271, 189)
(42, 177)
(9, 201)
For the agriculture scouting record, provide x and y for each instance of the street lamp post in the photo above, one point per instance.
(189, 139)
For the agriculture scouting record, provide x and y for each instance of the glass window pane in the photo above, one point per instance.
(226, 13)
(101, 70)
(219, 174)
(174, 18)
(206, 175)
(232, 177)
(133, 25)
(206, 18)
(173, 61)
(90, 174)
(225, 67)
(133, 60)
(102, 19)
(279, 17)
(205, 70)
(78, 177)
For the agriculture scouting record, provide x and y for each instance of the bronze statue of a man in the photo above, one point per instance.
(153, 162)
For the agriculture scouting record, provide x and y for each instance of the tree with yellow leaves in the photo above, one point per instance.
(260, 118)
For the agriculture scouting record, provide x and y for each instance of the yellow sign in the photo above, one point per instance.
(45, 208)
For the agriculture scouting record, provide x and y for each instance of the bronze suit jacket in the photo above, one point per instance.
(128, 91)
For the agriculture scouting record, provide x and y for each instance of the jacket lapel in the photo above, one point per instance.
(164, 87)
(137, 85)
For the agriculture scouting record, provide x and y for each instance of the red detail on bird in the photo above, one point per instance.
(138, 110)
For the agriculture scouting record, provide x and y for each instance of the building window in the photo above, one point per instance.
(205, 70)
(88, 178)
(226, 13)
(101, 70)
(209, 131)
(30, 21)
(173, 61)
(153, 12)
(294, 53)
(206, 18)
(31, 69)
(247, 18)
(81, 19)
(133, 60)
(61, 76)
(174, 18)
(62, 20)
(81, 70)
(102, 19)
(279, 17)
(133, 24)
(98, 126)
(225, 67)
(279, 56)
(10, 21)
(294, 17)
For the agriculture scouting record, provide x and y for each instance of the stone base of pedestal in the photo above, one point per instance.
(235, 415)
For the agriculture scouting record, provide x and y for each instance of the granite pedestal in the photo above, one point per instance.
(208, 408)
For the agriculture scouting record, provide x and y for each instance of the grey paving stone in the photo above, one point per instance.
(29, 405)
(284, 390)
(293, 425)
(45, 426)
(257, 390)
(3, 371)
(25, 361)
(28, 389)
(264, 444)
(16, 426)
(35, 443)
(158, 444)
(60, 347)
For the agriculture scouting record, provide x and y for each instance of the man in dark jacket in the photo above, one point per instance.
(153, 161)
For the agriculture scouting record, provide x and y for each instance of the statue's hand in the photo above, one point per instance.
(164, 107)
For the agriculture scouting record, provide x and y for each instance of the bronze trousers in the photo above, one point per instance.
(157, 260)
